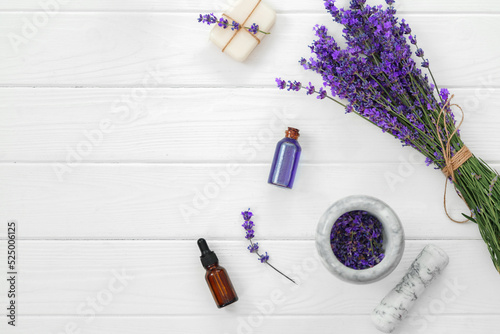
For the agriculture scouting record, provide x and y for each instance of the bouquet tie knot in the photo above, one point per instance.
(452, 163)
(464, 154)
(242, 25)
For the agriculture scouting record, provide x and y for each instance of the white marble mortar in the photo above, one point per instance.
(393, 239)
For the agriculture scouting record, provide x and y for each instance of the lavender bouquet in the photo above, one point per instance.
(377, 78)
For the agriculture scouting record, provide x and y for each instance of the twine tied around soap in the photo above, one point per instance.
(242, 26)
(452, 163)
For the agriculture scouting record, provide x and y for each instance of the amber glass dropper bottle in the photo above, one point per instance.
(217, 279)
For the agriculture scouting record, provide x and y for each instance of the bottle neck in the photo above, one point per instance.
(212, 266)
(292, 133)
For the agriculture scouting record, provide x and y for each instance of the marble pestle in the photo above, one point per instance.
(397, 303)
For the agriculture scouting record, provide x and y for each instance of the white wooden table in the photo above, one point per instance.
(125, 135)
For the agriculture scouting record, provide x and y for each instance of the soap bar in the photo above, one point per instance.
(239, 44)
(396, 305)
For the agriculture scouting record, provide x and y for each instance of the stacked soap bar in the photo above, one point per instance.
(239, 44)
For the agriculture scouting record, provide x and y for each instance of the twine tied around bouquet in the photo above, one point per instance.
(452, 163)
(242, 26)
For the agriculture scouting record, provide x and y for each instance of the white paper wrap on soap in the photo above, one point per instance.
(243, 43)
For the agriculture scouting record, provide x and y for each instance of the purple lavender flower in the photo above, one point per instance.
(444, 94)
(303, 62)
(492, 184)
(294, 85)
(330, 6)
(247, 215)
(413, 39)
(253, 247)
(310, 89)
(254, 28)
(425, 63)
(250, 234)
(281, 83)
(236, 26)
(223, 23)
(357, 240)
(322, 94)
(207, 18)
(248, 225)
(419, 52)
(264, 258)
(476, 176)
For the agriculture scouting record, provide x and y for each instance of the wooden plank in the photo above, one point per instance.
(443, 6)
(166, 278)
(209, 125)
(110, 49)
(169, 201)
(253, 323)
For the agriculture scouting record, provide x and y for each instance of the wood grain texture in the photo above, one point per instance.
(116, 49)
(154, 201)
(180, 125)
(192, 133)
(226, 323)
(442, 6)
(166, 278)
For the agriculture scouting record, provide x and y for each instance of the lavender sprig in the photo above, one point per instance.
(224, 23)
(254, 246)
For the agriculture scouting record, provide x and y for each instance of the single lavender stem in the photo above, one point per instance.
(267, 33)
(254, 247)
(327, 96)
(432, 76)
(331, 98)
(435, 84)
(257, 252)
(221, 22)
(281, 272)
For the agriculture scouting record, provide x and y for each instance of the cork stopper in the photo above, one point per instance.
(292, 133)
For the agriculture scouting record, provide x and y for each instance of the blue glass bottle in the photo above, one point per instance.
(286, 160)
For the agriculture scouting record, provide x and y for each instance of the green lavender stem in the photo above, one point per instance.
(270, 265)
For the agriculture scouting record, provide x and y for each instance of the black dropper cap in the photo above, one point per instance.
(208, 257)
